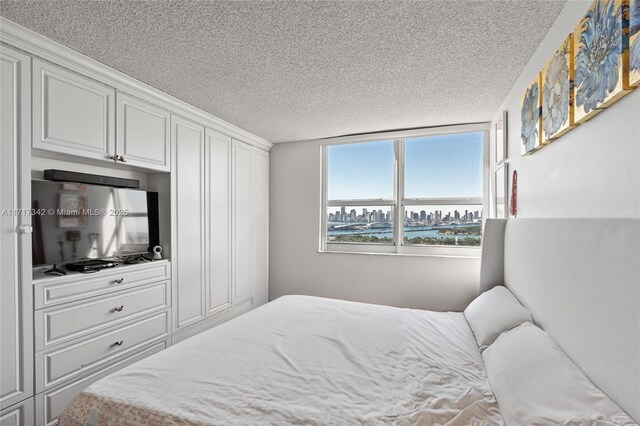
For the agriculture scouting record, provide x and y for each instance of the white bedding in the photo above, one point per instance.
(305, 360)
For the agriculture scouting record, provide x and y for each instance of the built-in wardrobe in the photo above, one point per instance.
(59, 334)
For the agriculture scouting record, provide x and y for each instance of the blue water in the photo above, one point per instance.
(409, 231)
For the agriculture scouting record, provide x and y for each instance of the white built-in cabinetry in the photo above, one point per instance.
(188, 225)
(218, 252)
(89, 325)
(243, 257)
(16, 321)
(218, 188)
(261, 226)
(18, 414)
(143, 133)
(72, 114)
(62, 333)
(76, 115)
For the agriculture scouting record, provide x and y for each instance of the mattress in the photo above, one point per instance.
(304, 360)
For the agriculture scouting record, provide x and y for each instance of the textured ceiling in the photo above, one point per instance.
(289, 70)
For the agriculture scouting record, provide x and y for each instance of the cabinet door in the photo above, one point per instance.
(261, 220)
(142, 133)
(188, 154)
(72, 114)
(243, 252)
(219, 221)
(16, 321)
(19, 415)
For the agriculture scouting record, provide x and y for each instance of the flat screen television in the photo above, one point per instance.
(75, 221)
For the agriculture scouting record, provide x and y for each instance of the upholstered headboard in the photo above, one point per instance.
(580, 278)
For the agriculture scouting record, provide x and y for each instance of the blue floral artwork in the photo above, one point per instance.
(530, 118)
(634, 37)
(599, 45)
(557, 113)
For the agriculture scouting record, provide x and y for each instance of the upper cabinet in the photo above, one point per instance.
(72, 114)
(143, 134)
(75, 115)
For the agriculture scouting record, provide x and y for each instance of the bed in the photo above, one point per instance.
(305, 360)
(572, 357)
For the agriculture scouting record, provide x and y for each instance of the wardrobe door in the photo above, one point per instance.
(243, 252)
(261, 221)
(16, 321)
(219, 221)
(188, 227)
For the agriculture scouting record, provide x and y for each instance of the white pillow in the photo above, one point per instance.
(493, 312)
(535, 383)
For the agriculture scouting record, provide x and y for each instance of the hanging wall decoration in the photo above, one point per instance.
(513, 205)
(634, 43)
(531, 127)
(601, 75)
(557, 97)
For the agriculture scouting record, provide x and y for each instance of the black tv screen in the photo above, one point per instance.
(74, 221)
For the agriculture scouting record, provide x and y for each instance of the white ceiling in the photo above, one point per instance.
(291, 70)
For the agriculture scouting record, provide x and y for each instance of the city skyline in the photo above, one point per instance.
(422, 215)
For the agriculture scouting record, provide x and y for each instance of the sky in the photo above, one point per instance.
(435, 166)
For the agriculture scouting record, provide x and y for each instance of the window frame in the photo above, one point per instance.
(399, 203)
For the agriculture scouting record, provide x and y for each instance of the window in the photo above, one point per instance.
(413, 192)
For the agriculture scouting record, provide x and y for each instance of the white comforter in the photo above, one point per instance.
(305, 360)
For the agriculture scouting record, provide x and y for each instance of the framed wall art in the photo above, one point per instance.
(634, 43)
(557, 96)
(601, 58)
(73, 211)
(531, 123)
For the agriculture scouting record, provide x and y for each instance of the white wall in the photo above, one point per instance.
(594, 170)
(296, 267)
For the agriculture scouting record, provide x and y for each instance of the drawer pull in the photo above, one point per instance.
(119, 281)
(120, 343)
(119, 308)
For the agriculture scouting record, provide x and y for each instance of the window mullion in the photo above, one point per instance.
(398, 211)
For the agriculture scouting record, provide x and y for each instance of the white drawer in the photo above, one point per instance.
(52, 291)
(54, 366)
(63, 323)
(50, 404)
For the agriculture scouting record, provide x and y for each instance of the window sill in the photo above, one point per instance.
(465, 253)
